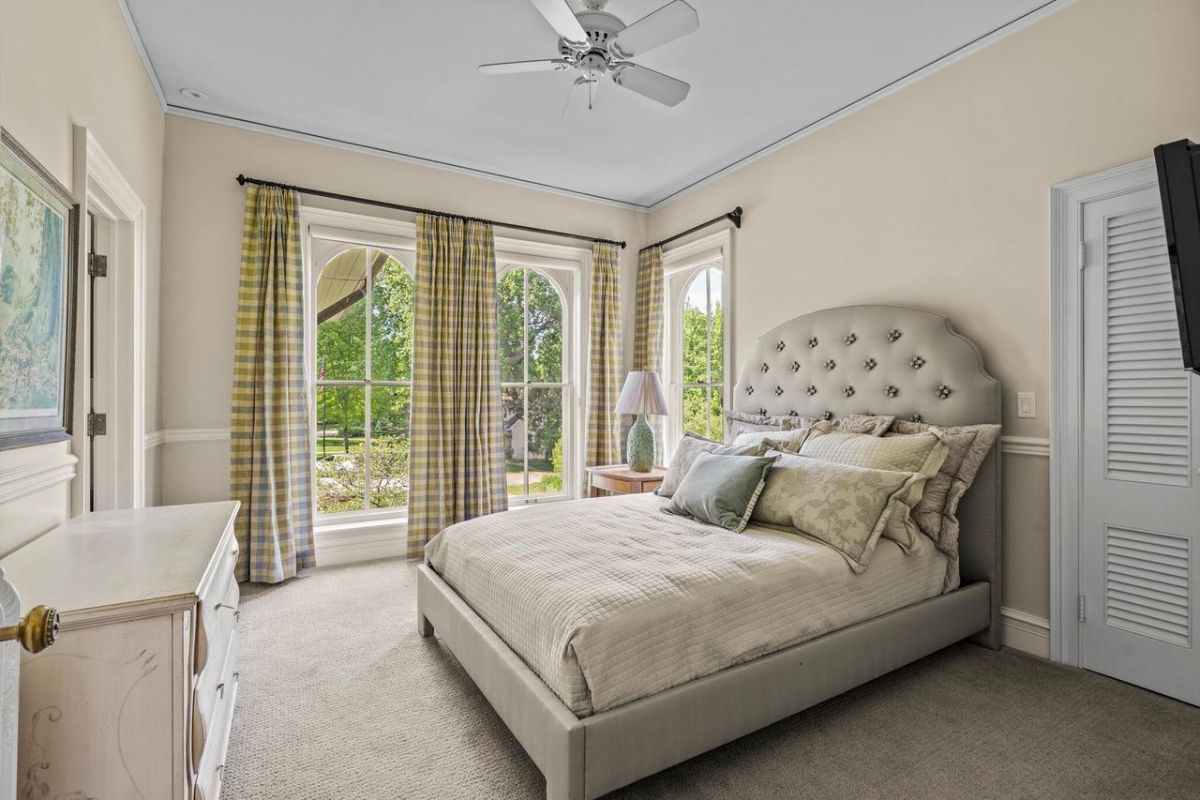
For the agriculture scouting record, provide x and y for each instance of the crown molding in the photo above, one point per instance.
(1009, 28)
(938, 64)
(142, 54)
(394, 155)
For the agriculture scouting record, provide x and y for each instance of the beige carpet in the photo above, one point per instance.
(341, 699)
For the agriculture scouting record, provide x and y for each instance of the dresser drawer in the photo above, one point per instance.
(218, 614)
(211, 770)
(212, 705)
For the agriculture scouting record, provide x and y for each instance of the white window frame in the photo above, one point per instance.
(680, 266)
(324, 241)
(325, 232)
(567, 269)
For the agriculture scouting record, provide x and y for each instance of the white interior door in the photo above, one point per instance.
(1140, 509)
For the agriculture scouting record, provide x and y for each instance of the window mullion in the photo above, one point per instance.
(525, 372)
(369, 299)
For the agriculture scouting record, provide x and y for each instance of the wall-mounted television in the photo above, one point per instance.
(1178, 180)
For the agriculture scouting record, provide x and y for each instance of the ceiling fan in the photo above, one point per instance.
(598, 43)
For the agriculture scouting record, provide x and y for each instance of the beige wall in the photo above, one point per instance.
(938, 196)
(65, 63)
(202, 245)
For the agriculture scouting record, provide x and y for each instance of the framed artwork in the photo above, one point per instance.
(39, 223)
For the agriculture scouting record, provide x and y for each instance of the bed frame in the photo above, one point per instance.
(878, 359)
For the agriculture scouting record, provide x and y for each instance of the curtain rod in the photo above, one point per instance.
(734, 216)
(243, 180)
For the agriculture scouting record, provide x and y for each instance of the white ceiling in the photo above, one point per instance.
(401, 77)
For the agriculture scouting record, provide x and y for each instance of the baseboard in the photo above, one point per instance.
(348, 544)
(1025, 632)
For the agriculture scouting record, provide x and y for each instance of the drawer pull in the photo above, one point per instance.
(221, 690)
(37, 631)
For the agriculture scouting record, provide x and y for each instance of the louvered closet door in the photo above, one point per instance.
(1140, 536)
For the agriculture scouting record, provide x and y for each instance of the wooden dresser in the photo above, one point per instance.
(135, 700)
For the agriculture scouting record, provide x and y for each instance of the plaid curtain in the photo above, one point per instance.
(648, 311)
(270, 451)
(604, 384)
(456, 452)
(647, 327)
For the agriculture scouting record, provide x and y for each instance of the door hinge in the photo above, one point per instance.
(1082, 255)
(97, 424)
(97, 265)
(1082, 608)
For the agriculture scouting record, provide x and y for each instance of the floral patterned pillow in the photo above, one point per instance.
(844, 506)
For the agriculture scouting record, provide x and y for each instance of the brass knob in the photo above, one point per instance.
(37, 631)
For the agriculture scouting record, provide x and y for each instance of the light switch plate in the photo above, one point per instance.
(1026, 405)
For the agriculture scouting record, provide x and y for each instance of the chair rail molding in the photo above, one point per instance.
(27, 477)
(1025, 446)
(185, 435)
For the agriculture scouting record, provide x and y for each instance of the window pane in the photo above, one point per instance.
(717, 338)
(341, 317)
(391, 320)
(716, 413)
(695, 330)
(512, 402)
(510, 324)
(389, 446)
(545, 330)
(545, 441)
(694, 417)
(341, 466)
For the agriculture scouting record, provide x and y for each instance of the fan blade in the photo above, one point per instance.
(562, 19)
(658, 27)
(649, 83)
(512, 67)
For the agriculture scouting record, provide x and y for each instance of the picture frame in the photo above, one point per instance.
(39, 246)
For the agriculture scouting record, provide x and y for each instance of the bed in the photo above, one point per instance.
(625, 692)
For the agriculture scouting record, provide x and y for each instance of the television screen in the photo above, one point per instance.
(1178, 178)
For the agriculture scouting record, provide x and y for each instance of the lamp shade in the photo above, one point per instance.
(642, 394)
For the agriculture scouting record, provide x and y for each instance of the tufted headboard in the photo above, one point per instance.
(888, 360)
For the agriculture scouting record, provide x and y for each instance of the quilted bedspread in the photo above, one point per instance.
(611, 599)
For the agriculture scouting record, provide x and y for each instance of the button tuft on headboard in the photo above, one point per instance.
(917, 362)
(765, 368)
(811, 389)
(892, 391)
(830, 363)
(848, 391)
(795, 366)
(893, 334)
(749, 390)
(779, 345)
(778, 391)
(870, 364)
(850, 338)
(943, 392)
(812, 341)
(826, 415)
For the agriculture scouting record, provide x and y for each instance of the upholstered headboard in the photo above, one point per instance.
(888, 360)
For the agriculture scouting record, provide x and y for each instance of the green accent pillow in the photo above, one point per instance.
(721, 490)
(691, 446)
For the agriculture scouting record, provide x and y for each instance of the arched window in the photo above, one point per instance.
(363, 300)
(701, 354)
(534, 379)
(696, 333)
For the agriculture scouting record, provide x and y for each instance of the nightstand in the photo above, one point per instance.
(620, 479)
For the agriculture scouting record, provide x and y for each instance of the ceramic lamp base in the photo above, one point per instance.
(639, 448)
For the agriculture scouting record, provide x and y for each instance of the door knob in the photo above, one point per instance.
(37, 631)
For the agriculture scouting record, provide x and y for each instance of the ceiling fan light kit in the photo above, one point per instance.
(597, 43)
